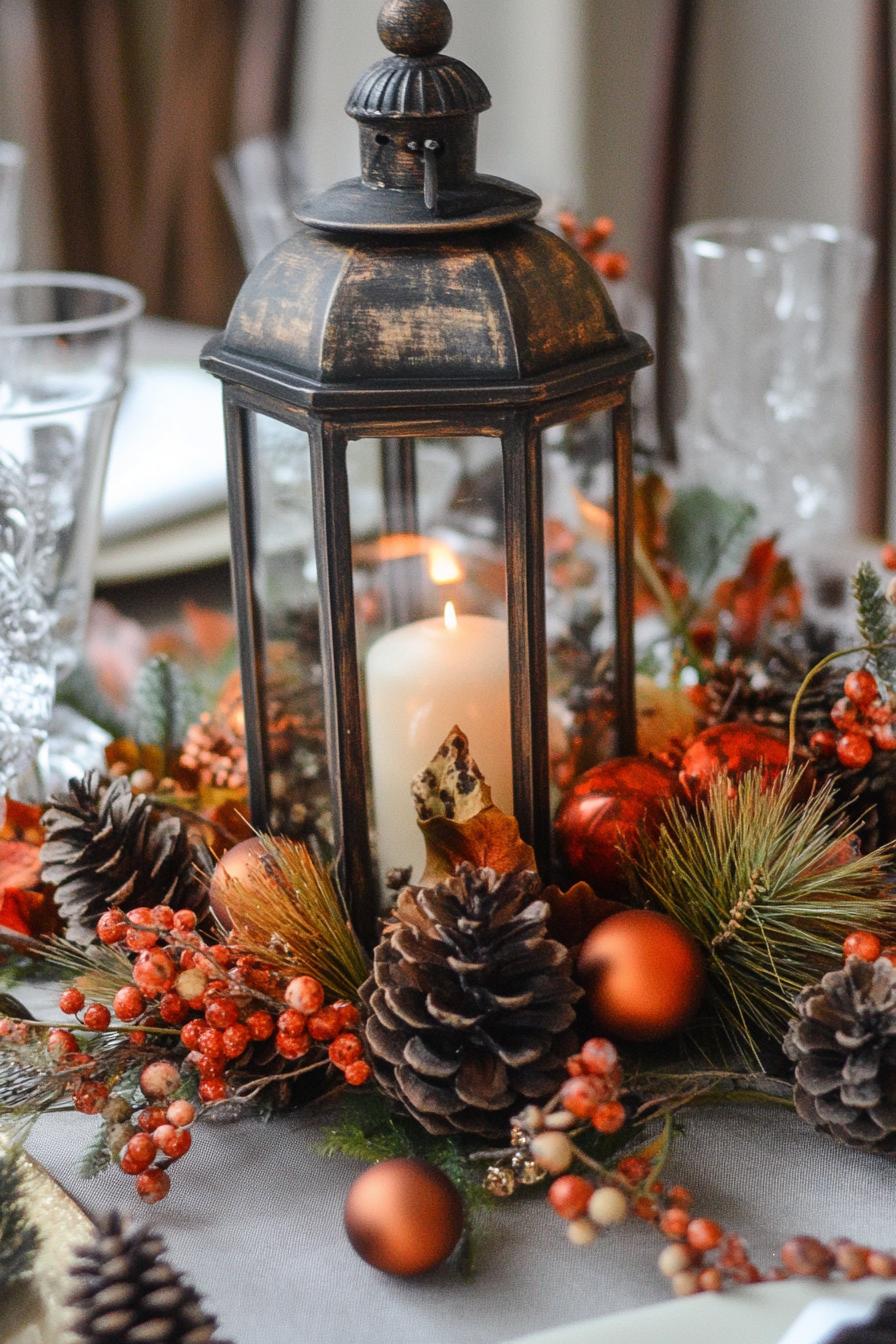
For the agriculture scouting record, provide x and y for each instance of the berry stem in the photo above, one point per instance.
(807, 681)
(98, 1031)
(164, 804)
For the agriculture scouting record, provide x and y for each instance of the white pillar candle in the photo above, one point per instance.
(422, 679)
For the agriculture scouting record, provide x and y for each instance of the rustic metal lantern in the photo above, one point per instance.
(419, 302)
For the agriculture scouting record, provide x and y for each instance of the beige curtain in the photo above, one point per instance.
(122, 106)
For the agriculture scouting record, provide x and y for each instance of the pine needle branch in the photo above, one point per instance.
(874, 617)
(18, 1235)
(289, 912)
(757, 880)
(163, 704)
(96, 1156)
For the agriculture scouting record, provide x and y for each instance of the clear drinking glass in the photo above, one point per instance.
(12, 168)
(769, 316)
(64, 343)
(27, 682)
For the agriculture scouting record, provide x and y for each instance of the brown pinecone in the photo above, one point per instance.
(107, 847)
(843, 1042)
(212, 754)
(470, 1003)
(736, 691)
(125, 1292)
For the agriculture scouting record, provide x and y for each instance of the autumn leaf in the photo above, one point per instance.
(22, 822)
(19, 864)
(574, 913)
(766, 590)
(31, 913)
(459, 821)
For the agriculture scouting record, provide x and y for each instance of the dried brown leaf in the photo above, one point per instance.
(459, 821)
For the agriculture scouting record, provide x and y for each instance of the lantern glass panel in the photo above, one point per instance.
(580, 594)
(287, 595)
(429, 573)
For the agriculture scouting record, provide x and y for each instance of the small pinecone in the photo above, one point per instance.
(127, 1294)
(213, 754)
(843, 1042)
(107, 847)
(470, 1003)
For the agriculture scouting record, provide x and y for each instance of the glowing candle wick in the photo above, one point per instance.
(450, 616)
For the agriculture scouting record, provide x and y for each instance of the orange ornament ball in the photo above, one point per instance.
(237, 865)
(643, 976)
(604, 814)
(732, 749)
(404, 1216)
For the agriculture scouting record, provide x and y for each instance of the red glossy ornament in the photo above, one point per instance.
(403, 1216)
(606, 810)
(733, 749)
(643, 976)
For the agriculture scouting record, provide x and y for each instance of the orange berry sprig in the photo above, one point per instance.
(700, 1255)
(863, 723)
(591, 240)
(218, 1004)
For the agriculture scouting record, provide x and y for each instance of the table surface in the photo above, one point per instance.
(255, 1219)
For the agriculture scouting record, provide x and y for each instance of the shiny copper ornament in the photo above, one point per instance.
(403, 1216)
(732, 749)
(604, 815)
(643, 976)
(237, 865)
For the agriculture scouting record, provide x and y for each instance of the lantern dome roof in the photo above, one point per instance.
(502, 305)
(438, 86)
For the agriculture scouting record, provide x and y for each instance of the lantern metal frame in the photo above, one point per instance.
(398, 410)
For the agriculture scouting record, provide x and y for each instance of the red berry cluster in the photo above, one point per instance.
(218, 1003)
(863, 720)
(700, 1255)
(592, 1090)
(591, 240)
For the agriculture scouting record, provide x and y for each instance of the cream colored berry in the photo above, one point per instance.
(552, 1151)
(685, 1283)
(674, 1259)
(581, 1231)
(559, 1120)
(607, 1206)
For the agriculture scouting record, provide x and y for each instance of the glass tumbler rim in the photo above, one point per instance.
(714, 238)
(131, 305)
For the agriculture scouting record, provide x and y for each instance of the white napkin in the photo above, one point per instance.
(821, 1320)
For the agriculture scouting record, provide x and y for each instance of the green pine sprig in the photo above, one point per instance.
(874, 616)
(96, 1156)
(18, 1235)
(766, 884)
(163, 705)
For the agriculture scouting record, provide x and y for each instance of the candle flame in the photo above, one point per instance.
(443, 566)
(442, 563)
(450, 616)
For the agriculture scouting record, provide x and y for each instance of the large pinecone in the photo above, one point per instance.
(107, 847)
(469, 1003)
(737, 691)
(843, 1041)
(127, 1294)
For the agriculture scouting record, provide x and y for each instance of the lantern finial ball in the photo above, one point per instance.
(415, 27)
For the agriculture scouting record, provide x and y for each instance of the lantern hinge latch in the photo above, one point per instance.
(430, 149)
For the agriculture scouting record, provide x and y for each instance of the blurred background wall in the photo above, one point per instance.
(656, 112)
